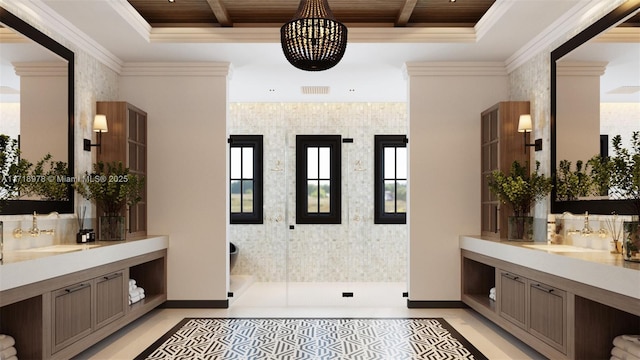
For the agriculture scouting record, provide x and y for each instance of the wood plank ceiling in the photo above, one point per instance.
(271, 13)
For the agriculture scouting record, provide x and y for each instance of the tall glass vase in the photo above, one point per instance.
(520, 228)
(112, 227)
(631, 241)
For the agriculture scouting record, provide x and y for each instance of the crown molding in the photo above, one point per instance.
(57, 24)
(132, 17)
(176, 69)
(272, 35)
(581, 68)
(44, 68)
(455, 69)
(568, 22)
(491, 17)
(620, 35)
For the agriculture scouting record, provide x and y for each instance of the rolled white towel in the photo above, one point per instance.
(8, 352)
(492, 290)
(628, 346)
(135, 299)
(6, 341)
(632, 338)
(622, 355)
(492, 297)
(132, 282)
(137, 291)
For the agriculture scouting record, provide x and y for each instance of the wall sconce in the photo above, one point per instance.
(99, 126)
(524, 126)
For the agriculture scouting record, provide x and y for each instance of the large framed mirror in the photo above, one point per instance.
(595, 95)
(36, 105)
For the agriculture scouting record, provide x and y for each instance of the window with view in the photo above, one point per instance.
(318, 179)
(390, 179)
(245, 179)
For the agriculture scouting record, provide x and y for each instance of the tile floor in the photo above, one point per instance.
(311, 300)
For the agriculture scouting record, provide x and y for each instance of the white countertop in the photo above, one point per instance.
(24, 267)
(597, 268)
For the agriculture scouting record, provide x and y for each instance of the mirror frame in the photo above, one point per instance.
(580, 206)
(15, 207)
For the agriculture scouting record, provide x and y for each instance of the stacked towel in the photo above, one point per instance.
(492, 294)
(136, 293)
(7, 349)
(626, 347)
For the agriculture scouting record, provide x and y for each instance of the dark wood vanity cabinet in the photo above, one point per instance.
(513, 298)
(126, 141)
(72, 308)
(558, 317)
(501, 144)
(111, 297)
(548, 314)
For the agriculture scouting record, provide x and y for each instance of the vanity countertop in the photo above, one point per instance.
(22, 267)
(598, 268)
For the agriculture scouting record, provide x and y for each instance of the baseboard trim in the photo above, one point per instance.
(436, 304)
(196, 304)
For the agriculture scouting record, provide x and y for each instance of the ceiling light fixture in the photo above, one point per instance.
(313, 40)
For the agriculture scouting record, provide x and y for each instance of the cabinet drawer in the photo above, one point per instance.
(71, 307)
(512, 298)
(548, 314)
(110, 298)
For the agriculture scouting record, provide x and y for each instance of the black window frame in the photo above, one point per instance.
(334, 216)
(380, 143)
(256, 142)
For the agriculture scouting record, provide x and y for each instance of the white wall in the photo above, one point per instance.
(186, 107)
(578, 110)
(44, 115)
(445, 102)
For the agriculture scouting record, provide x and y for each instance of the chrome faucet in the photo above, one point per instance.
(586, 230)
(34, 231)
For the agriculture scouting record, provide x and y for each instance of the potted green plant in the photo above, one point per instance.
(520, 191)
(625, 184)
(13, 169)
(573, 184)
(112, 187)
(48, 180)
(600, 174)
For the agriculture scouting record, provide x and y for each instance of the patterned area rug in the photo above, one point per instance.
(296, 339)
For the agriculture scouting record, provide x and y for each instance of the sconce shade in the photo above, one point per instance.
(524, 123)
(313, 40)
(100, 123)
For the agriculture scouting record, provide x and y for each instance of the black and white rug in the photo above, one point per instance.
(296, 339)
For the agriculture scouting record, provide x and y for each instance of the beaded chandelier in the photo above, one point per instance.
(313, 40)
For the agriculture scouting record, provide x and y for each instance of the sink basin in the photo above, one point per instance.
(560, 248)
(60, 248)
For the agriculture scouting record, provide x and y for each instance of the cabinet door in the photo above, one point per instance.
(110, 298)
(547, 314)
(512, 298)
(71, 314)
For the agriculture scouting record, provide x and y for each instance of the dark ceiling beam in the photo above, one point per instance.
(220, 12)
(405, 12)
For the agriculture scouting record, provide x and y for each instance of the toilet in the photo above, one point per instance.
(233, 255)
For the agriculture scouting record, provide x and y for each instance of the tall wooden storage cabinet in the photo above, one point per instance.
(126, 141)
(501, 145)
